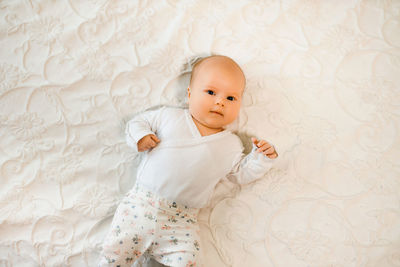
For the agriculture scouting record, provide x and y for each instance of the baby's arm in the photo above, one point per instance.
(254, 165)
(141, 130)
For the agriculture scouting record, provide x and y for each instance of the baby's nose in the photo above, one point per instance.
(220, 101)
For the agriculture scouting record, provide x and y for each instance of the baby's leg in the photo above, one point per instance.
(177, 242)
(131, 233)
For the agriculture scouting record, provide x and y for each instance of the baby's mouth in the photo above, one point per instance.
(217, 112)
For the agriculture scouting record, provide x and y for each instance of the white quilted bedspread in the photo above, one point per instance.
(323, 87)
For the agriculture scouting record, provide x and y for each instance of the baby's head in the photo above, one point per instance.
(215, 91)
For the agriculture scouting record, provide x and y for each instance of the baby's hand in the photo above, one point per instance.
(147, 142)
(265, 148)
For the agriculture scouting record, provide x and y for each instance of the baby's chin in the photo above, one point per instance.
(222, 126)
(232, 126)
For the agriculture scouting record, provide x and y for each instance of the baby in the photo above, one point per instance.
(187, 152)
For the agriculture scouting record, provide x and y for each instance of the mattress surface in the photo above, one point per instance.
(323, 81)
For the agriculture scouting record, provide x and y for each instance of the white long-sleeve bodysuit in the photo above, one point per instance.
(185, 166)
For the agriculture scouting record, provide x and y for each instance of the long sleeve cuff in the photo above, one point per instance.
(251, 167)
(132, 138)
(260, 157)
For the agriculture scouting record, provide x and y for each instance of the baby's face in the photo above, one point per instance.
(215, 94)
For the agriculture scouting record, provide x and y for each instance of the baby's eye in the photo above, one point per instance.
(230, 98)
(210, 92)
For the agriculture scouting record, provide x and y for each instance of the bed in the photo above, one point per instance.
(322, 87)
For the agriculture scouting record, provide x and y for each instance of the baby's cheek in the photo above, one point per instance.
(235, 111)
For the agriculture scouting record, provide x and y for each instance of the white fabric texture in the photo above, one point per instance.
(185, 167)
(323, 81)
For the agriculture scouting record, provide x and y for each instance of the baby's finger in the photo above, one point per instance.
(264, 147)
(151, 143)
(155, 138)
(254, 140)
(261, 143)
(273, 155)
(269, 151)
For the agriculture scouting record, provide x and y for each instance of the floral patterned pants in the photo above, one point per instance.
(146, 223)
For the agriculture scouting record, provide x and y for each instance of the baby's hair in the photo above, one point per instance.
(197, 62)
